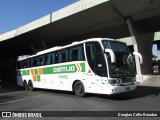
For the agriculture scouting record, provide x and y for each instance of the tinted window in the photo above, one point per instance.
(77, 53)
(96, 59)
(50, 59)
(63, 56)
(33, 62)
(40, 60)
(115, 46)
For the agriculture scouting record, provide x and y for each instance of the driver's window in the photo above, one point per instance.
(96, 59)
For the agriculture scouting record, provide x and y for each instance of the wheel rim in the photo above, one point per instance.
(79, 89)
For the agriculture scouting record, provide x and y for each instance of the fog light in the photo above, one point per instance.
(113, 90)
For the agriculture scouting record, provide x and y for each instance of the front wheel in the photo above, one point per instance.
(79, 89)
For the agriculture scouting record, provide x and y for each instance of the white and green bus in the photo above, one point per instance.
(98, 65)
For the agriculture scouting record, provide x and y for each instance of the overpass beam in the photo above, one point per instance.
(142, 43)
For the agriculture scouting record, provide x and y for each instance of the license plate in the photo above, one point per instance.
(127, 88)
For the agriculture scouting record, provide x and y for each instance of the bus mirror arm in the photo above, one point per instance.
(113, 57)
(140, 56)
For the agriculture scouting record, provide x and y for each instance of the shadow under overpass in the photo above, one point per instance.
(8, 70)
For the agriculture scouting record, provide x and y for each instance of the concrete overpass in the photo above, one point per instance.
(85, 19)
(156, 40)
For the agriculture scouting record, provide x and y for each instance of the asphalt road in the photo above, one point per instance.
(143, 99)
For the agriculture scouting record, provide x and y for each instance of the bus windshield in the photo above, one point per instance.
(125, 65)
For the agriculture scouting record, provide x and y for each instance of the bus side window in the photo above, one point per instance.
(74, 54)
(33, 62)
(27, 64)
(56, 58)
(63, 56)
(40, 60)
(23, 64)
(80, 53)
(90, 52)
(50, 58)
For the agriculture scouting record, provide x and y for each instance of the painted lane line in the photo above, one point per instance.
(18, 100)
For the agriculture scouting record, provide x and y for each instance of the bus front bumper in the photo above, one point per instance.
(121, 89)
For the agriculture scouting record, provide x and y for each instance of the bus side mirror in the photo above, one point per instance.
(113, 57)
(139, 55)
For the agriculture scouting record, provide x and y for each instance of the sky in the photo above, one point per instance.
(16, 13)
(154, 49)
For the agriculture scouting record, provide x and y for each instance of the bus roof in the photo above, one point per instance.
(62, 47)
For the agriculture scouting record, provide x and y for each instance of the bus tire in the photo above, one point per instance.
(79, 89)
(30, 85)
(25, 85)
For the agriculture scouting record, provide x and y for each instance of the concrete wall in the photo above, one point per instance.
(150, 80)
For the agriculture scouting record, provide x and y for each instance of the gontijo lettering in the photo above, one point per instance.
(64, 69)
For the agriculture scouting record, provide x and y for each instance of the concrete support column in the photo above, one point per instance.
(142, 42)
(158, 47)
(158, 53)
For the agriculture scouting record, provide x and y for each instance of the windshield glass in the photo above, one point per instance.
(125, 65)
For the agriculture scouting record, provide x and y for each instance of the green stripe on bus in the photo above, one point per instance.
(39, 78)
(70, 68)
(28, 72)
(83, 67)
(36, 71)
(23, 72)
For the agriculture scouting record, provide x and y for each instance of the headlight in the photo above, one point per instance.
(115, 82)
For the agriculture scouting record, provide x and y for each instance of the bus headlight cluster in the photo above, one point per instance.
(115, 82)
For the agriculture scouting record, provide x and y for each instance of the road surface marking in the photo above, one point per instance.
(18, 100)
